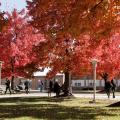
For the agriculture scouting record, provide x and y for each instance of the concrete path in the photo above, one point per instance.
(80, 95)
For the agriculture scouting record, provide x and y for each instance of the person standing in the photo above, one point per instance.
(40, 85)
(7, 85)
(57, 88)
(50, 88)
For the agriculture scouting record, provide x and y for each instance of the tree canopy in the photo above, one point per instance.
(17, 42)
(76, 31)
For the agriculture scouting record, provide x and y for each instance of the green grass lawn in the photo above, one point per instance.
(44, 108)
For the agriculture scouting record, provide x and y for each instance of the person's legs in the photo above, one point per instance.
(50, 93)
(113, 91)
(27, 90)
(57, 93)
(41, 88)
(9, 90)
(6, 90)
(108, 93)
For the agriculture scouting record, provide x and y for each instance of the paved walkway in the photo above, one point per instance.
(80, 95)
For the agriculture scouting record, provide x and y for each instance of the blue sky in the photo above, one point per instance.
(9, 5)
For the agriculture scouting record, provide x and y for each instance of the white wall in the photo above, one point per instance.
(87, 83)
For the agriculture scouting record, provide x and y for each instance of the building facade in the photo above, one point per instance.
(77, 82)
(88, 84)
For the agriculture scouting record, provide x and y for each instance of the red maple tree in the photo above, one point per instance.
(16, 44)
(76, 31)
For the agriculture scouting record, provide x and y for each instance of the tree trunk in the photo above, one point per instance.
(67, 84)
(12, 69)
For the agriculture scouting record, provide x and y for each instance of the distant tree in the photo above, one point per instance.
(16, 44)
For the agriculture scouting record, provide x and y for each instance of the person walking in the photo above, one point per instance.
(7, 85)
(26, 86)
(113, 87)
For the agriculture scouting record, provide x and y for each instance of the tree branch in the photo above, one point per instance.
(93, 8)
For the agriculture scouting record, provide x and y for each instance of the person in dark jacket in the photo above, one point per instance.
(110, 86)
(113, 87)
(26, 86)
(57, 88)
(50, 88)
(7, 85)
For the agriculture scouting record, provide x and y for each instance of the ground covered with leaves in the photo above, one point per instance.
(44, 108)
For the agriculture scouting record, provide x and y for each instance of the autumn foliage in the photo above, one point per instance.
(64, 35)
(16, 43)
(77, 31)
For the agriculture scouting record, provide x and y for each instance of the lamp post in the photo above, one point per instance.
(94, 63)
(0, 70)
(70, 83)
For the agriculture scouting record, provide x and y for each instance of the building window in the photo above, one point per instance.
(90, 84)
(79, 84)
(76, 84)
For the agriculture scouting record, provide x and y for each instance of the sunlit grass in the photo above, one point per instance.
(44, 108)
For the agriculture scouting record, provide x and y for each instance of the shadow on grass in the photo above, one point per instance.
(35, 99)
(48, 111)
(117, 104)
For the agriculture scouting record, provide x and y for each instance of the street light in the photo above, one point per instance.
(0, 70)
(94, 63)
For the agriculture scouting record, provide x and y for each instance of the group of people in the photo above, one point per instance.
(8, 86)
(110, 86)
(54, 87)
